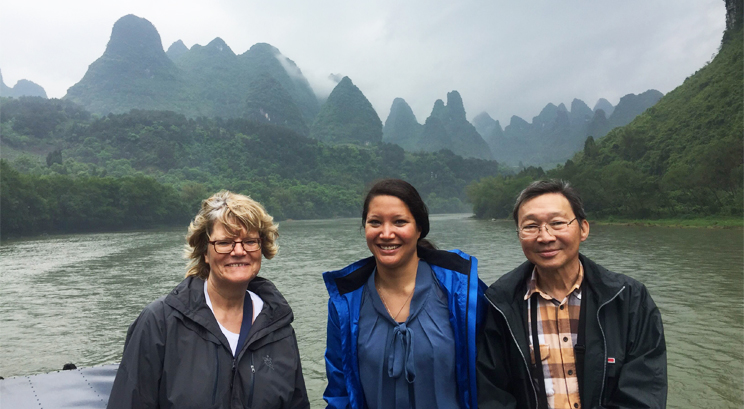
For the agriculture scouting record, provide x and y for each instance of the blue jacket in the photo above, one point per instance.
(457, 274)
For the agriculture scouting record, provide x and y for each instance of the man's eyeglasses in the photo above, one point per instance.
(227, 246)
(533, 230)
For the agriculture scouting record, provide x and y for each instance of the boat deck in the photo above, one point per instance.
(85, 388)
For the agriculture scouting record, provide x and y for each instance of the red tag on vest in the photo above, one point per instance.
(610, 360)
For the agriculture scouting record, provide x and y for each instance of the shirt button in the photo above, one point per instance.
(570, 372)
(576, 405)
(561, 307)
(565, 339)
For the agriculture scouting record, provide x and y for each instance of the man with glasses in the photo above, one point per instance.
(599, 336)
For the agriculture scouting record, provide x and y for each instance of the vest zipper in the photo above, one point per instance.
(604, 342)
(518, 348)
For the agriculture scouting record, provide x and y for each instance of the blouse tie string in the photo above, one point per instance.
(401, 354)
(401, 359)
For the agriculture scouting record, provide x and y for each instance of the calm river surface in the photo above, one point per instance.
(71, 298)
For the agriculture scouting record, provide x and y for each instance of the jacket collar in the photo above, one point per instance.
(276, 312)
(349, 278)
(188, 299)
(355, 275)
(509, 290)
(601, 282)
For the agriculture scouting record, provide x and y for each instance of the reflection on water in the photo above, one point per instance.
(71, 298)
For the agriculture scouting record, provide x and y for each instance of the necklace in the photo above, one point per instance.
(395, 318)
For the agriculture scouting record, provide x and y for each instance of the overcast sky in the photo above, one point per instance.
(504, 57)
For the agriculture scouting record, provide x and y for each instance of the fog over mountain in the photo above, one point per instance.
(505, 58)
(445, 128)
(557, 133)
(263, 85)
(136, 73)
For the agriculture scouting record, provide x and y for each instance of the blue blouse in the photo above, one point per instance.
(409, 364)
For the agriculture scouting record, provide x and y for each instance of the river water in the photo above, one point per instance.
(71, 298)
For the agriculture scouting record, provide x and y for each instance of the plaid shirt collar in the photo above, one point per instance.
(533, 288)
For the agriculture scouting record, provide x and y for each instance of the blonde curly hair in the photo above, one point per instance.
(237, 213)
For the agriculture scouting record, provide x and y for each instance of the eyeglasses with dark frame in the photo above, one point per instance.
(533, 230)
(227, 246)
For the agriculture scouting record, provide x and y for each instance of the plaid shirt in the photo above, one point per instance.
(557, 327)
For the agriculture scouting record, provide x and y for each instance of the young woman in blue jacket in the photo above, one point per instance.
(402, 323)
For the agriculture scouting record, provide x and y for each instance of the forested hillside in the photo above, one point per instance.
(263, 85)
(401, 126)
(680, 158)
(64, 155)
(347, 117)
(54, 202)
(135, 73)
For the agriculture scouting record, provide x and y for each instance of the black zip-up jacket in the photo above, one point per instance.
(622, 325)
(176, 356)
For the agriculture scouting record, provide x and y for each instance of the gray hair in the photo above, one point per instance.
(541, 187)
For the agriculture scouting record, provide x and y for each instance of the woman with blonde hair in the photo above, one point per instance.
(223, 337)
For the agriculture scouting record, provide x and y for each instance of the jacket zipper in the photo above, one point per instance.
(216, 378)
(232, 379)
(518, 348)
(604, 342)
(467, 331)
(253, 382)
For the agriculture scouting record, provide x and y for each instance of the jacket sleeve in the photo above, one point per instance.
(299, 397)
(336, 393)
(137, 379)
(642, 381)
(491, 365)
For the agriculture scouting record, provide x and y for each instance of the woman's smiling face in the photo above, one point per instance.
(237, 267)
(391, 233)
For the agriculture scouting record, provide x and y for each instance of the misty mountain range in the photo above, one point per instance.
(263, 85)
(445, 128)
(557, 133)
(551, 138)
(136, 73)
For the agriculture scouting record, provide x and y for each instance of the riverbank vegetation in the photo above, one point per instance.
(57, 151)
(33, 204)
(712, 222)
